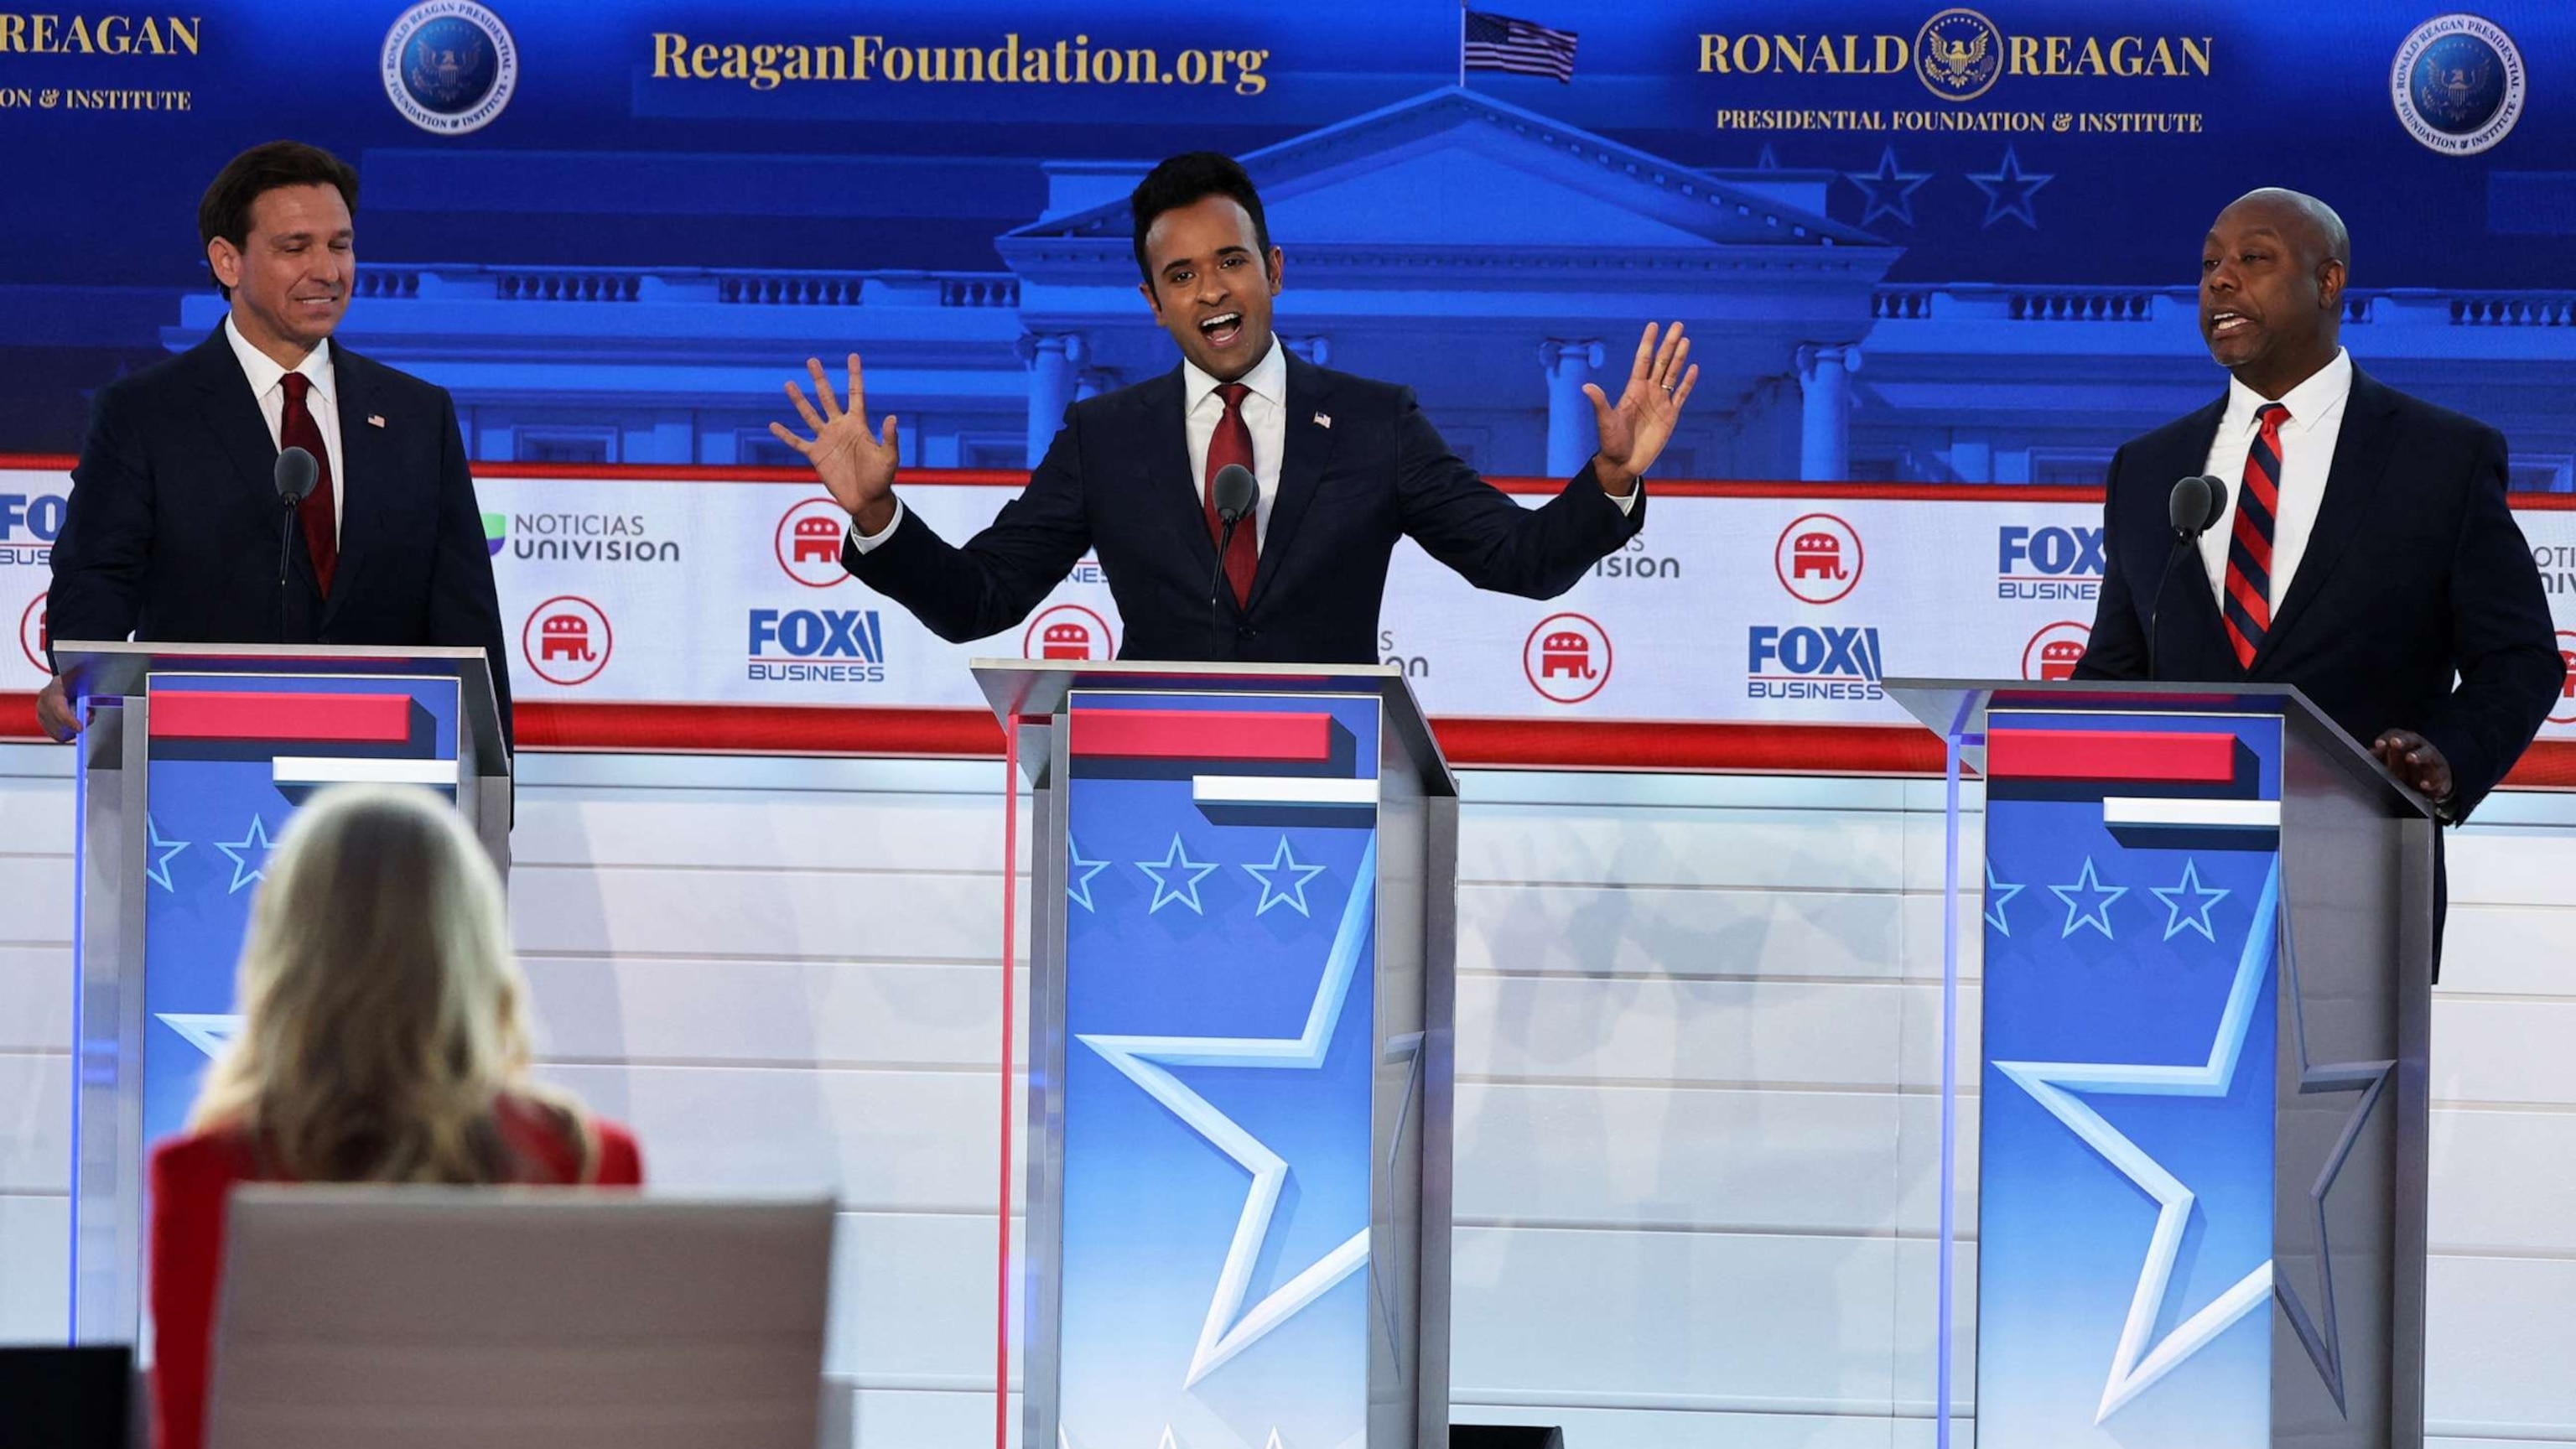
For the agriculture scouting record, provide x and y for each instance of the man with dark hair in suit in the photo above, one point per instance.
(2366, 554)
(172, 529)
(1345, 467)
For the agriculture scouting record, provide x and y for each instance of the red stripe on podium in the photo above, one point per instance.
(1182, 734)
(2118, 755)
(303, 718)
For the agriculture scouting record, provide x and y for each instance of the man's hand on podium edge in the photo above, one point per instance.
(1634, 429)
(54, 711)
(855, 462)
(2413, 759)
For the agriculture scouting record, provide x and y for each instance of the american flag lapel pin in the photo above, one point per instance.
(1323, 420)
(375, 420)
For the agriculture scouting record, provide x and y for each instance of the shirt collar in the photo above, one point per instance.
(264, 373)
(2310, 403)
(1268, 378)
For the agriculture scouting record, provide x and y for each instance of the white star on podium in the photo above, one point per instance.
(2370, 1079)
(208, 1032)
(1293, 895)
(2134, 1365)
(2088, 912)
(1143, 1059)
(1187, 892)
(1078, 873)
(1998, 896)
(159, 871)
(255, 839)
(2181, 917)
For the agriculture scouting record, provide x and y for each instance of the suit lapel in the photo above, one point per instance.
(1163, 466)
(367, 466)
(1306, 446)
(2360, 462)
(231, 413)
(2189, 458)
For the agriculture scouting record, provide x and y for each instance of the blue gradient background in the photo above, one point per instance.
(2062, 1233)
(1150, 1205)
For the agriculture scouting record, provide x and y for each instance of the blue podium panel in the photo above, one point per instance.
(225, 760)
(2132, 907)
(1220, 985)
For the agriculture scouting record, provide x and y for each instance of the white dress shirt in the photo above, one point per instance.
(268, 386)
(1265, 414)
(2307, 454)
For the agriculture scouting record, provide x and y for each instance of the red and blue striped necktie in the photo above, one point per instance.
(2248, 605)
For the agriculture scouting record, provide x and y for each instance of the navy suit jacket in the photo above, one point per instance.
(171, 531)
(1117, 480)
(2415, 572)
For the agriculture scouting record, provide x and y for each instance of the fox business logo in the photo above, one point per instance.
(2048, 563)
(28, 524)
(1813, 662)
(817, 646)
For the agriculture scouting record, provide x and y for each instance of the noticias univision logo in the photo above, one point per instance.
(496, 532)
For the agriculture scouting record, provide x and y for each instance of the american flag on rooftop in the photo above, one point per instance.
(1521, 47)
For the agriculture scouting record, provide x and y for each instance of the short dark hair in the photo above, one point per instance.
(1187, 178)
(224, 211)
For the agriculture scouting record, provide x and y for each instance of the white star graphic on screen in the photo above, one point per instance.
(1078, 873)
(256, 839)
(2181, 916)
(1187, 892)
(159, 871)
(1143, 1059)
(1274, 1441)
(2089, 911)
(1292, 895)
(2135, 1366)
(1998, 896)
(1889, 189)
(208, 1032)
(2321, 1333)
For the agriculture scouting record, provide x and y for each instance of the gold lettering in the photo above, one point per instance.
(1144, 67)
(1248, 66)
(702, 62)
(1895, 53)
(1755, 45)
(2058, 45)
(1003, 65)
(2091, 62)
(1713, 57)
(1792, 50)
(1034, 66)
(80, 40)
(764, 68)
(185, 32)
(668, 54)
(2025, 54)
(118, 41)
(2125, 59)
(2195, 54)
(737, 63)
(13, 33)
(864, 50)
(40, 33)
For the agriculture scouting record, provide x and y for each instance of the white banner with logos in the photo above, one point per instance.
(1729, 608)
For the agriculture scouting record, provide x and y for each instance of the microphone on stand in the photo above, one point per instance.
(295, 475)
(2194, 506)
(1235, 492)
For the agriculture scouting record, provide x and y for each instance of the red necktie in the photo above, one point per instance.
(296, 429)
(2247, 607)
(1232, 443)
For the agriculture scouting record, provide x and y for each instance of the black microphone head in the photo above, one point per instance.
(2217, 503)
(2188, 506)
(1235, 492)
(296, 474)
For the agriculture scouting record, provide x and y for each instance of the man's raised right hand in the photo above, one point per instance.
(855, 462)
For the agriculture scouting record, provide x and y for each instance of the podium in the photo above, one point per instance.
(191, 760)
(2208, 943)
(1242, 926)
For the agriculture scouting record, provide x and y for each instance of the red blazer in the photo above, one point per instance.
(193, 1177)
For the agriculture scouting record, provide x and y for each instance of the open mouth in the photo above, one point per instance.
(1222, 329)
(2228, 324)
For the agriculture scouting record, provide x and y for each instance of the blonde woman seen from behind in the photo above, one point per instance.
(384, 1038)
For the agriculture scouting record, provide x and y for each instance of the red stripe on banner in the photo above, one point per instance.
(2124, 755)
(1631, 745)
(374, 719)
(1186, 734)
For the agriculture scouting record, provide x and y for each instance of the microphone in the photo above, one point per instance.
(1236, 494)
(2194, 506)
(294, 475)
